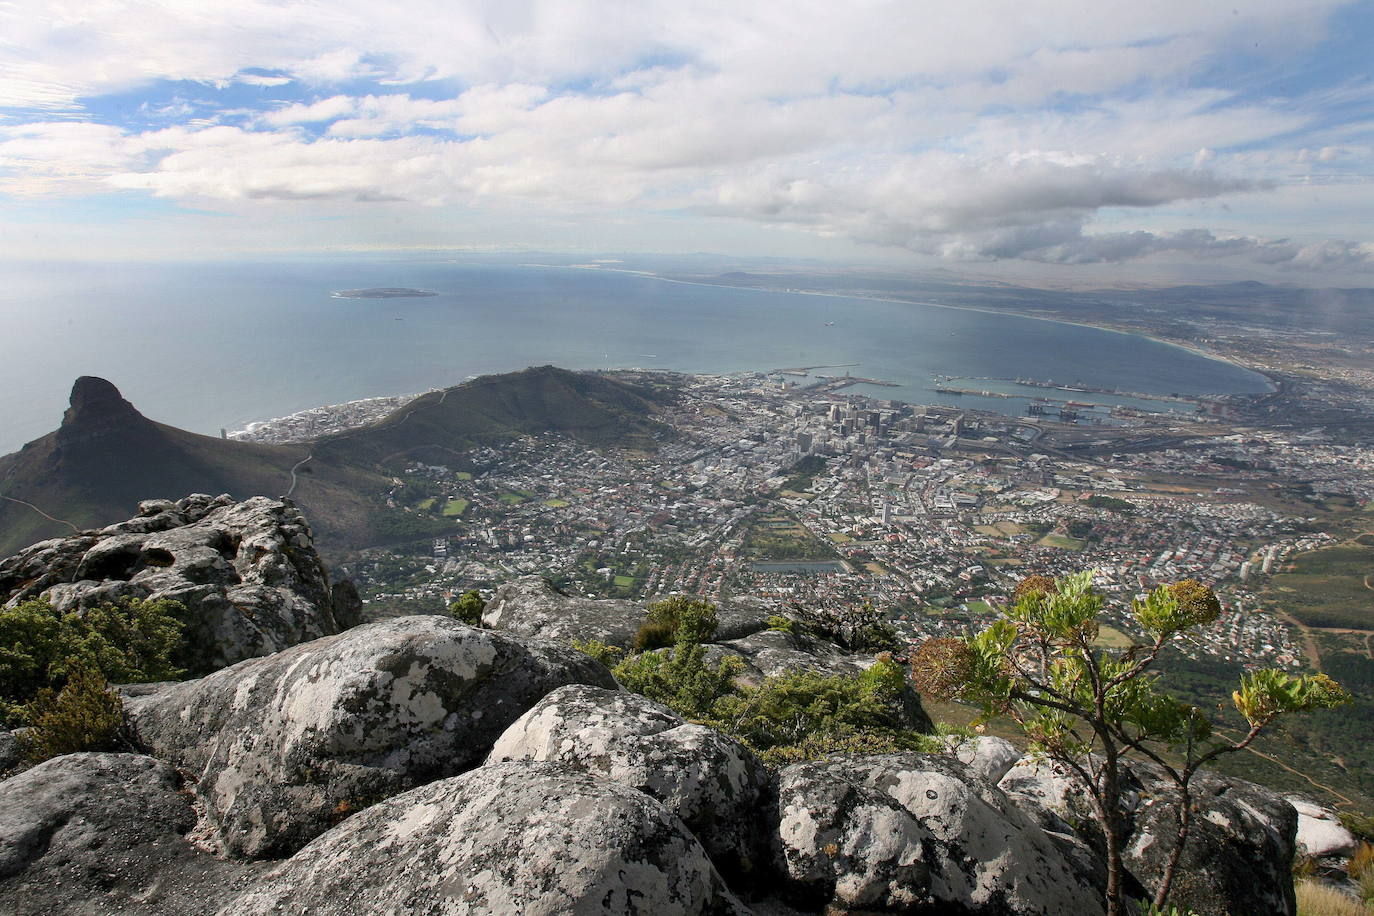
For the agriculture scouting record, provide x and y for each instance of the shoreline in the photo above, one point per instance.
(1195, 350)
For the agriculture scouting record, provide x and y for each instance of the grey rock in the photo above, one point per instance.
(709, 780)
(774, 652)
(989, 757)
(94, 834)
(247, 572)
(1320, 833)
(1239, 854)
(10, 752)
(530, 606)
(521, 837)
(282, 747)
(902, 832)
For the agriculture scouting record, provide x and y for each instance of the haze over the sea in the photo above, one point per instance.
(206, 346)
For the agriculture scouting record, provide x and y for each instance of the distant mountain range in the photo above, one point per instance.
(106, 456)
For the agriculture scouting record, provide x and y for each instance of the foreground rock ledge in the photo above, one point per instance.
(521, 837)
(284, 747)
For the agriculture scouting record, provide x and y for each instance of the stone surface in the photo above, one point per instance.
(247, 572)
(520, 837)
(774, 652)
(901, 832)
(9, 751)
(95, 834)
(1320, 832)
(285, 746)
(530, 606)
(1239, 854)
(989, 757)
(709, 780)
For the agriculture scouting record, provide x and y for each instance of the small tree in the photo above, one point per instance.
(1088, 707)
(468, 608)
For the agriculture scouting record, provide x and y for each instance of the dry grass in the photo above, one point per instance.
(1320, 900)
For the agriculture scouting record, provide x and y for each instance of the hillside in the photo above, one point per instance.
(594, 409)
(106, 456)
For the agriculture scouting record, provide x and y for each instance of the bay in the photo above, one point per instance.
(218, 345)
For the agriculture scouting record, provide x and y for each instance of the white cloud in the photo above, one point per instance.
(929, 126)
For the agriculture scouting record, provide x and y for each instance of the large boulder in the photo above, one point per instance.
(901, 832)
(247, 573)
(95, 834)
(1240, 849)
(519, 837)
(531, 607)
(283, 747)
(991, 758)
(710, 781)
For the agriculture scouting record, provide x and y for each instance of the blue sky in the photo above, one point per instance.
(1055, 137)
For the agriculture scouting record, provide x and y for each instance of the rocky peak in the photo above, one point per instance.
(97, 408)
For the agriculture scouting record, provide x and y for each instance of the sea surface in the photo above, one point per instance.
(219, 345)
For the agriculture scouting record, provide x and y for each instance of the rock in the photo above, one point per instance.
(989, 757)
(10, 752)
(95, 834)
(530, 606)
(520, 837)
(1240, 850)
(247, 573)
(283, 747)
(710, 781)
(774, 652)
(1320, 832)
(901, 832)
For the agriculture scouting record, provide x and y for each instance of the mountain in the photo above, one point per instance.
(106, 456)
(594, 409)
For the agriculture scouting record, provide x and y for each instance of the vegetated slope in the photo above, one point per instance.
(594, 409)
(106, 456)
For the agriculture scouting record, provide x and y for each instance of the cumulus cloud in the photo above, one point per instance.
(919, 125)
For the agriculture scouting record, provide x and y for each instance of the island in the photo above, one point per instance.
(383, 292)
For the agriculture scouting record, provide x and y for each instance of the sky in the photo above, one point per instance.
(1051, 136)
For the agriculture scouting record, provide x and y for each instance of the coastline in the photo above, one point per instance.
(1190, 348)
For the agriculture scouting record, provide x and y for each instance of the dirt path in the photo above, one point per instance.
(60, 521)
(1279, 763)
(1310, 644)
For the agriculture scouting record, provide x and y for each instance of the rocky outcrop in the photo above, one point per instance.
(519, 837)
(247, 573)
(1321, 835)
(95, 834)
(1239, 853)
(709, 780)
(285, 746)
(991, 758)
(531, 607)
(896, 833)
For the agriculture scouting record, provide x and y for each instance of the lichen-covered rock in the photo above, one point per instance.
(775, 652)
(1239, 854)
(247, 572)
(283, 747)
(10, 753)
(95, 834)
(520, 837)
(710, 781)
(530, 606)
(1320, 833)
(989, 757)
(900, 832)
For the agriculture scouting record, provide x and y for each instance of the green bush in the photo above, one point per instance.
(680, 678)
(608, 655)
(85, 716)
(127, 642)
(468, 609)
(680, 619)
(781, 624)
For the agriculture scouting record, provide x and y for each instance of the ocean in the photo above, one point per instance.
(219, 345)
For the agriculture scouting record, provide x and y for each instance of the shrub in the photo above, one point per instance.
(127, 642)
(781, 624)
(85, 716)
(687, 619)
(609, 656)
(654, 634)
(468, 609)
(680, 678)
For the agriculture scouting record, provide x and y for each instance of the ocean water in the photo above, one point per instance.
(219, 345)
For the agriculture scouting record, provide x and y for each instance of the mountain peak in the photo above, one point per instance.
(96, 407)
